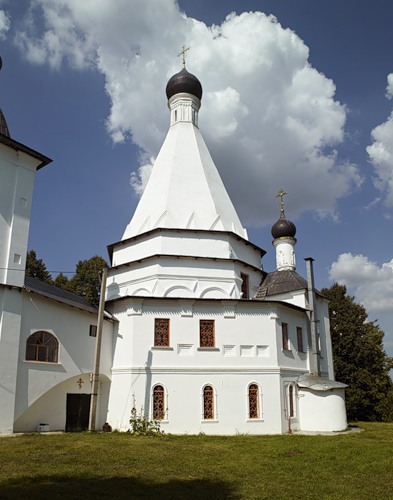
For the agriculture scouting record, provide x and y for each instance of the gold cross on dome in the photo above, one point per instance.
(183, 54)
(281, 195)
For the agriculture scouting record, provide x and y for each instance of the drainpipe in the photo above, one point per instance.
(314, 351)
(97, 356)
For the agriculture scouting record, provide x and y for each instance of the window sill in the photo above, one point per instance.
(50, 363)
(210, 421)
(256, 420)
(215, 349)
(161, 348)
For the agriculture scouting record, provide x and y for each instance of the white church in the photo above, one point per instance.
(195, 333)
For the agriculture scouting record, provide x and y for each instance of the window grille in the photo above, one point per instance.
(206, 331)
(285, 339)
(158, 403)
(42, 346)
(208, 403)
(161, 333)
(253, 401)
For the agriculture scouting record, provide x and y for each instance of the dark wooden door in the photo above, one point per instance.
(78, 411)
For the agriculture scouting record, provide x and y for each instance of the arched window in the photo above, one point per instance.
(253, 401)
(158, 403)
(208, 403)
(290, 398)
(42, 346)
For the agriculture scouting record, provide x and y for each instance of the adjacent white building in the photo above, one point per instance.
(196, 334)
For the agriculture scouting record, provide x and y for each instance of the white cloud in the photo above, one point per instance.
(372, 284)
(5, 23)
(389, 87)
(269, 118)
(381, 152)
(60, 36)
(138, 180)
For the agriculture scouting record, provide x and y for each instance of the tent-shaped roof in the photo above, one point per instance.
(280, 282)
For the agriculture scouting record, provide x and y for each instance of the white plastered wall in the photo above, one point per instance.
(246, 352)
(10, 321)
(42, 387)
(184, 264)
(17, 173)
(322, 411)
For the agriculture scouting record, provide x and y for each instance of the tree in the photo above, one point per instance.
(359, 358)
(86, 280)
(35, 268)
(61, 281)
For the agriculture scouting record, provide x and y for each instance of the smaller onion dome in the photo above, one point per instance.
(283, 228)
(184, 82)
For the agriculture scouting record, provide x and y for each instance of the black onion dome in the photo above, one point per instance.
(283, 228)
(184, 82)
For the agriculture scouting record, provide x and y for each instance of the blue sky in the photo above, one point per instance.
(290, 103)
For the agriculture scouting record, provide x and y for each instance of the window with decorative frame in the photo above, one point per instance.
(206, 333)
(42, 346)
(285, 338)
(161, 332)
(253, 402)
(208, 403)
(245, 286)
(299, 335)
(159, 409)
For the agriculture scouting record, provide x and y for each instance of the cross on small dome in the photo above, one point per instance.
(184, 81)
(283, 227)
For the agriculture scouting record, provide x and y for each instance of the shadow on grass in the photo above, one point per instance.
(56, 487)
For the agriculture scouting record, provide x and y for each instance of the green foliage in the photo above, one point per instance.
(61, 281)
(359, 358)
(142, 426)
(35, 268)
(86, 280)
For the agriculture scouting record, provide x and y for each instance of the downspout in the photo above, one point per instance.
(314, 348)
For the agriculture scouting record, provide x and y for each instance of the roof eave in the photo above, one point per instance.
(18, 146)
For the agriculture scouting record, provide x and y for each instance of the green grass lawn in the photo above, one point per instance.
(100, 465)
